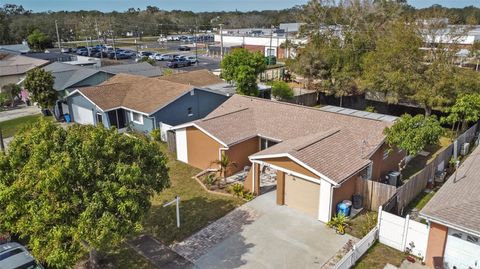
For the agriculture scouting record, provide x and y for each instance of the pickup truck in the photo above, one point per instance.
(175, 63)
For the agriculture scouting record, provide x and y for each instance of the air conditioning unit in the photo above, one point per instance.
(393, 178)
(465, 149)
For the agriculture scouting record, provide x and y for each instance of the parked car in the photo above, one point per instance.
(66, 50)
(145, 53)
(175, 63)
(99, 54)
(166, 57)
(80, 51)
(192, 59)
(156, 56)
(15, 256)
(129, 53)
(184, 48)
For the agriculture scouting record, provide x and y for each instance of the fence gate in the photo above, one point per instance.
(171, 141)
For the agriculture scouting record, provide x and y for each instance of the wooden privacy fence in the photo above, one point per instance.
(418, 182)
(375, 193)
(305, 99)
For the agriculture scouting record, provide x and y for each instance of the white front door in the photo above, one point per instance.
(82, 115)
(462, 251)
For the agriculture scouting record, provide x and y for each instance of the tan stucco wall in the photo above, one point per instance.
(239, 154)
(436, 244)
(381, 167)
(289, 164)
(4, 80)
(344, 192)
(202, 149)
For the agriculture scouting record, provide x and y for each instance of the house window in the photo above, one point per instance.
(99, 118)
(265, 143)
(385, 154)
(136, 117)
(189, 112)
(369, 171)
(192, 93)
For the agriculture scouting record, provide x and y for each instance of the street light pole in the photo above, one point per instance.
(196, 42)
(221, 41)
(58, 35)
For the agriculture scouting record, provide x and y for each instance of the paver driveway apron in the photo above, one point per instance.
(269, 236)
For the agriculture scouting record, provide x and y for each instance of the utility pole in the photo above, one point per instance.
(196, 42)
(98, 37)
(270, 49)
(221, 41)
(113, 40)
(58, 35)
(286, 44)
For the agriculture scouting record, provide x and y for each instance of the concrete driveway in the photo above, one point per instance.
(261, 234)
(20, 111)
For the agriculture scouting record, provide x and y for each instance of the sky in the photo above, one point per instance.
(194, 5)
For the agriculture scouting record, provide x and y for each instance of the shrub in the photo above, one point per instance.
(156, 135)
(248, 196)
(339, 222)
(368, 222)
(237, 190)
(210, 180)
(281, 90)
(371, 109)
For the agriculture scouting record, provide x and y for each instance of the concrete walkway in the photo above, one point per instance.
(261, 234)
(158, 254)
(19, 112)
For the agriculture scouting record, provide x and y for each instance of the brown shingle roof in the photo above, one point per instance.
(198, 78)
(458, 201)
(12, 64)
(335, 145)
(134, 92)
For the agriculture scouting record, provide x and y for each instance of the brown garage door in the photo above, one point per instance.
(302, 195)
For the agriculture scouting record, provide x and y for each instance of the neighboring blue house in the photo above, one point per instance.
(143, 103)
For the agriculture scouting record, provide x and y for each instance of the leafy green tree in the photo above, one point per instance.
(412, 134)
(83, 190)
(13, 90)
(147, 60)
(390, 69)
(465, 110)
(3, 98)
(282, 90)
(38, 40)
(243, 67)
(39, 83)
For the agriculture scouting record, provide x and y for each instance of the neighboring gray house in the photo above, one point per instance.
(16, 48)
(140, 69)
(142, 103)
(70, 77)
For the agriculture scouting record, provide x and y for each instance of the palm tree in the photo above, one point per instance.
(224, 164)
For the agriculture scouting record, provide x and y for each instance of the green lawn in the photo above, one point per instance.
(11, 127)
(378, 256)
(198, 208)
(421, 200)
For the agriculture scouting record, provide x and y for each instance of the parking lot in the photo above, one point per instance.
(170, 47)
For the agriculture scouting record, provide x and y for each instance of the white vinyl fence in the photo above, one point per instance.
(358, 250)
(164, 128)
(393, 231)
(402, 233)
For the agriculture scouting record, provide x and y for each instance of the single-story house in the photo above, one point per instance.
(70, 77)
(453, 215)
(16, 48)
(139, 69)
(318, 155)
(141, 103)
(13, 67)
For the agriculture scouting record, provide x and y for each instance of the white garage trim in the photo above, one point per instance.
(325, 201)
(82, 115)
(181, 144)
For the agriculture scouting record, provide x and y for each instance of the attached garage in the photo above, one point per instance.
(302, 195)
(462, 250)
(82, 115)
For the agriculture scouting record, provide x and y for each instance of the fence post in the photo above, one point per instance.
(379, 217)
(405, 232)
(455, 149)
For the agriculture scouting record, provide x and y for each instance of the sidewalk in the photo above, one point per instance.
(20, 111)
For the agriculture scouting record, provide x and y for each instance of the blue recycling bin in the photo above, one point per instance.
(67, 118)
(343, 209)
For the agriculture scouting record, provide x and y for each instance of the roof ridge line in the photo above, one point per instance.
(226, 114)
(324, 135)
(306, 107)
